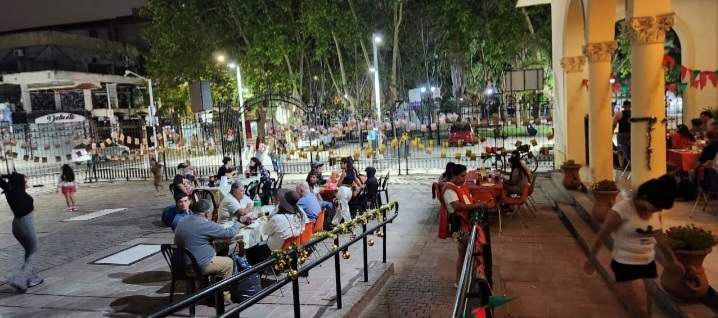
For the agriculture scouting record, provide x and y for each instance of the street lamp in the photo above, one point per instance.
(240, 93)
(152, 108)
(377, 41)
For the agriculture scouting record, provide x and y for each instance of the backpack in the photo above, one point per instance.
(248, 287)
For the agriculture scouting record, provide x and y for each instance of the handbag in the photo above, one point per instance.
(247, 287)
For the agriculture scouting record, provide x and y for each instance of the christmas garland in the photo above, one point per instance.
(652, 120)
(285, 258)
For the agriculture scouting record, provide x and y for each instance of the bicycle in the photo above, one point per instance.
(496, 159)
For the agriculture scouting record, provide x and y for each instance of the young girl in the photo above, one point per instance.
(68, 186)
(155, 170)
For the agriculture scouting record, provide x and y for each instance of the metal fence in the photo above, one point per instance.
(100, 151)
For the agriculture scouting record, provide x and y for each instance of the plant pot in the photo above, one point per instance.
(603, 203)
(694, 284)
(571, 179)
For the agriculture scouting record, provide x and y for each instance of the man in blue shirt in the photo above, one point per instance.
(172, 214)
(308, 201)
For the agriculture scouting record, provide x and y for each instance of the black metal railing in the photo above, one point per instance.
(475, 281)
(216, 290)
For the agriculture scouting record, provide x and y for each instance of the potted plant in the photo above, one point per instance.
(604, 193)
(691, 245)
(571, 179)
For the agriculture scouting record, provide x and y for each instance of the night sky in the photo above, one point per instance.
(23, 14)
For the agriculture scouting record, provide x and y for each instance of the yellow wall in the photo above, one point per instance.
(697, 28)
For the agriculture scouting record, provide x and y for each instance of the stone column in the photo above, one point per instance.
(648, 148)
(58, 101)
(600, 135)
(25, 98)
(87, 97)
(576, 108)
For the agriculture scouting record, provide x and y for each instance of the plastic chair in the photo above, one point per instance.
(199, 194)
(306, 235)
(319, 223)
(517, 202)
(176, 256)
(383, 187)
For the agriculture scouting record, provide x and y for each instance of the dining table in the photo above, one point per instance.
(250, 234)
(684, 159)
(485, 190)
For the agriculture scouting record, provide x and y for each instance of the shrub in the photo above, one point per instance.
(690, 238)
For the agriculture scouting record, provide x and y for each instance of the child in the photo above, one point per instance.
(68, 186)
(155, 170)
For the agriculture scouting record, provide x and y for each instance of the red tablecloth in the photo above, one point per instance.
(487, 190)
(686, 160)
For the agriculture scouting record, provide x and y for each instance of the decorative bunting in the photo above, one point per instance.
(479, 312)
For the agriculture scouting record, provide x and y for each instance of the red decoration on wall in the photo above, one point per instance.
(684, 71)
(584, 83)
(668, 62)
(672, 87)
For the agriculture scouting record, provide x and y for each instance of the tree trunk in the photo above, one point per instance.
(457, 77)
(361, 40)
(398, 13)
(345, 86)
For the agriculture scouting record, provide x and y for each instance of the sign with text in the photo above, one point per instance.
(58, 118)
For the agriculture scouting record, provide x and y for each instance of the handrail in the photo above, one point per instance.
(468, 277)
(218, 288)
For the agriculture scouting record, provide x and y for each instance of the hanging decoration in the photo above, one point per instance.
(696, 78)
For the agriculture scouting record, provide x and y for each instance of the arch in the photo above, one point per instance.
(279, 98)
(601, 17)
(574, 36)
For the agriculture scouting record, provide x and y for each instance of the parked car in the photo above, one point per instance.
(115, 150)
(463, 132)
(79, 155)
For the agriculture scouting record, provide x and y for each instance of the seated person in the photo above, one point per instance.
(316, 168)
(227, 168)
(707, 156)
(308, 201)
(682, 138)
(520, 176)
(172, 214)
(181, 184)
(236, 205)
(288, 221)
(696, 127)
(313, 182)
(372, 188)
(196, 233)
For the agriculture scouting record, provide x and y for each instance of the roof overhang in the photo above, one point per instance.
(529, 3)
(52, 79)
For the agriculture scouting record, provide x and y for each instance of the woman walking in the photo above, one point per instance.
(636, 228)
(22, 206)
(67, 185)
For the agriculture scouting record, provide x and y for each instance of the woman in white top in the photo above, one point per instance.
(288, 221)
(636, 228)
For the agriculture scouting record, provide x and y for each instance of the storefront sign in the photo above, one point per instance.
(58, 118)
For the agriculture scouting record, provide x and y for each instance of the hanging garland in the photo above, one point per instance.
(284, 258)
(652, 120)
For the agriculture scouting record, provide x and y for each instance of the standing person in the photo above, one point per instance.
(457, 200)
(22, 206)
(623, 120)
(635, 225)
(707, 121)
(256, 168)
(345, 192)
(155, 169)
(67, 185)
(281, 155)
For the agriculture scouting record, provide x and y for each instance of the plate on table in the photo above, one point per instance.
(488, 184)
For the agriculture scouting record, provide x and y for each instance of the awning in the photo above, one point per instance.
(42, 80)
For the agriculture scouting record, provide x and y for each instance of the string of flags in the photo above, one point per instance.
(696, 78)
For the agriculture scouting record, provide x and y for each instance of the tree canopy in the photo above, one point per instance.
(320, 51)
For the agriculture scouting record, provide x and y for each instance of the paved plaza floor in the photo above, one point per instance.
(535, 260)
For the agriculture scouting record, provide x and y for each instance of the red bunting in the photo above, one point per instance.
(616, 87)
(712, 77)
(584, 83)
(668, 62)
(684, 71)
(479, 312)
(672, 87)
(703, 79)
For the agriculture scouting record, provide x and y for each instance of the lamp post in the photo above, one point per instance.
(153, 112)
(376, 40)
(240, 93)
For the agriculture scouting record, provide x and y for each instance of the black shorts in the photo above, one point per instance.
(626, 272)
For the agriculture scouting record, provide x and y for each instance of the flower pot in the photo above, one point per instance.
(571, 179)
(694, 284)
(603, 203)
